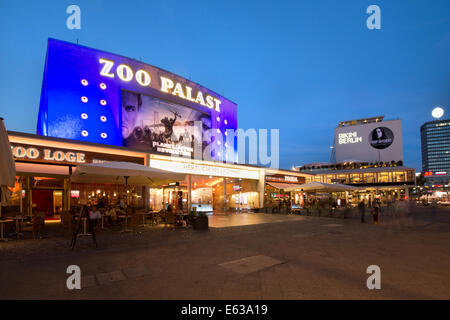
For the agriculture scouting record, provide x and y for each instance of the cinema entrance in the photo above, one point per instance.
(208, 187)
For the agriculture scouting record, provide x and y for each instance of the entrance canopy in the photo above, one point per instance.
(124, 173)
(323, 187)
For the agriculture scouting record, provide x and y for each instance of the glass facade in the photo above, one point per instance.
(435, 138)
(397, 177)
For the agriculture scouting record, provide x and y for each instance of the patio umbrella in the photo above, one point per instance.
(124, 173)
(7, 167)
(322, 187)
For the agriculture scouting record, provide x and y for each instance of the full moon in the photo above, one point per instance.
(437, 112)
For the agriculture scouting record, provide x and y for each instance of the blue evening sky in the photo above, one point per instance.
(300, 66)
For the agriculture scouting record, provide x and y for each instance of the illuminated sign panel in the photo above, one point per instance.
(349, 137)
(92, 95)
(204, 169)
(33, 153)
(370, 142)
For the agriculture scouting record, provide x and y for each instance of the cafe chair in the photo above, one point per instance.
(35, 227)
(170, 219)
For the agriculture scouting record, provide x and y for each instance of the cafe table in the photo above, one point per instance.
(19, 220)
(85, 233)
(2, 222)
(144, 213)
(125, 222)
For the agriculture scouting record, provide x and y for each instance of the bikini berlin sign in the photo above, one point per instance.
(370, 142)
(96, 96)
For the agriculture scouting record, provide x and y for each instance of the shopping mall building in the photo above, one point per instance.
(367, 153)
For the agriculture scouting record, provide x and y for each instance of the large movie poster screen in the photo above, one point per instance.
(152, 124)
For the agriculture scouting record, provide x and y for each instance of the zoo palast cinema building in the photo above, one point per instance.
(96, 106)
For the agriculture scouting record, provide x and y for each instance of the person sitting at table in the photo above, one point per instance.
(95, 215)
(111, 213)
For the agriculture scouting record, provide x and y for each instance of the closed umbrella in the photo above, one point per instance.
(7, 166)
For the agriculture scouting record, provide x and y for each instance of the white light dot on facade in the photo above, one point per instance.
(225, 121)
(84, 116)
(437, 112)
(84, 133)
(219, 154)
(102, 86)
(226, 133)
(103, 135)
(218, 130)
(226, 145)
(84, 82)
(103, 119)
(84, 99)
(103, 102)
(218, 119)
(218, 142)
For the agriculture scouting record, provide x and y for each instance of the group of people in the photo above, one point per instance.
(376, 210)
(109, 214)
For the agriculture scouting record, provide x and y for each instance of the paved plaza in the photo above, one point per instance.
(247, 256)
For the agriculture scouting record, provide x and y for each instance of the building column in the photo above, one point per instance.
(28, 196)
(66, 195)
(147, 197)
(261, 187)
(225, 195)
(225, 207)
(189, 195)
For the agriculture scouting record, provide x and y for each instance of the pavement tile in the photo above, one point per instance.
(136, 272)
(250, 264)
(108, 277)
(88, 281)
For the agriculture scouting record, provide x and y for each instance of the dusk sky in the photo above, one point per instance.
(299, 66)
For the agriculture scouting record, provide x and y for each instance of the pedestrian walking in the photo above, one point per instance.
(433, 206)
(362, 210)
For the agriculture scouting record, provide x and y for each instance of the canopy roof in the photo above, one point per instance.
(283, 186)
(124, 173)
(323, 187)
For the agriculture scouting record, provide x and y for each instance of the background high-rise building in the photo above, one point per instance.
(435, 138)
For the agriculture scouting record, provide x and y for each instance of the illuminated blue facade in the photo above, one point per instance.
(82, 87)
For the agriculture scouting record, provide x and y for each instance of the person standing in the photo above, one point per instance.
(362, 210)
(376, 211)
